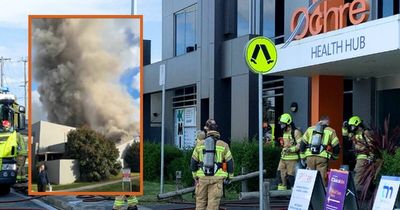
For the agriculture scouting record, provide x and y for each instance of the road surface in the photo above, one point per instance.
(16, 200)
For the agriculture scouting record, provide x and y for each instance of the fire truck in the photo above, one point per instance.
(12, 144)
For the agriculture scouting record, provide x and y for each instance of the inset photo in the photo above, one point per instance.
(85, 105)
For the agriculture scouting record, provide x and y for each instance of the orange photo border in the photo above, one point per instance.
(30, 17)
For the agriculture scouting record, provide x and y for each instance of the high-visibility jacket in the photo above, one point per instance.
(222, 154)
(290, 144)
(329, 138)
(361, 141)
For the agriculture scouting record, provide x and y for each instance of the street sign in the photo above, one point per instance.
(387, 193)
(260, 54)
(162, 74)
(126, 175)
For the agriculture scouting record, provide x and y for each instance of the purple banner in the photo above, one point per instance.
(337, 187)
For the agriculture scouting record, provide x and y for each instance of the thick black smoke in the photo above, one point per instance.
(78, 64)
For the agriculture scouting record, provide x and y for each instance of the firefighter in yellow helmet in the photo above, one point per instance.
(290, 151)
(206, 164)
(320, 144)
(361, 138)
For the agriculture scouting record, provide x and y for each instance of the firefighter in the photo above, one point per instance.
(290, 151)
(119, 202)
(207, 165)
(320, 144)
(361, 138)
(200, 136)
(267, 134)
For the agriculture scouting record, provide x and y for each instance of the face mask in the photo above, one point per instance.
(353, 128)
(283, 126)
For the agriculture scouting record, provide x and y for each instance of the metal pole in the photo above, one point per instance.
(25, 82)
(2, 64)
(260, 140)
(162, 83)
(162, 138)
(2, 70)
(256, 15)
(133, 7)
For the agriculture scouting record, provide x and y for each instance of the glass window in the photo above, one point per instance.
(242, 17)
(388, 8)
(269, 18)
(185, 30)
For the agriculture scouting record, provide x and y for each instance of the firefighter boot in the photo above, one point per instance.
(291, 181)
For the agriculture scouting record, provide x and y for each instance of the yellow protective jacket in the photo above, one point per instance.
(329, 138)
(222, 154)
(291, 145)
(361, 141)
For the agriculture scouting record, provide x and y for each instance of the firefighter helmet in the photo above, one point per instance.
(211, 125)
(355, 121)
(285, 118)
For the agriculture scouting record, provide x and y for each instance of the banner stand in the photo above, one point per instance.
(350, 202)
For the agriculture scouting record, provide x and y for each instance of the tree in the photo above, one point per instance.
(97, 156)
(132, 157)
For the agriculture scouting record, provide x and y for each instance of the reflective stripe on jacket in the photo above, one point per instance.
(329, 138)
(291, 144)
(222, 154)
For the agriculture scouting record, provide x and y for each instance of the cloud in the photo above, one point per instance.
(15, 14)
(136, 82)
(38, 112)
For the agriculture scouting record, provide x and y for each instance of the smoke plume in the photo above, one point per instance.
(78, 64)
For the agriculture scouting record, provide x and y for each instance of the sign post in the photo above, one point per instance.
(162, 83)
(126, 180)
(260, 55)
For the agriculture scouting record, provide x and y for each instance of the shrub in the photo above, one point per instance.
(132, 157)
(96, 155)
(151, 163)
(245, 154)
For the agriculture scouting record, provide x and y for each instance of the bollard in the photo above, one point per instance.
(266, 196)
(178, 180)
(244, 182)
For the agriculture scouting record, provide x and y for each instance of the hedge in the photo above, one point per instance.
(245, 154)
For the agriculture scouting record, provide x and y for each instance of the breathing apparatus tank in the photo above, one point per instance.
(316, 140)
(209, 155)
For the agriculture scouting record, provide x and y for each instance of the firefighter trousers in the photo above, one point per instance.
(286, 168)
(209, 190)
(318, 163)
(361, 165)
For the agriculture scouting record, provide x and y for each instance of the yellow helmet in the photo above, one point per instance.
(355, 121)
(285, 118)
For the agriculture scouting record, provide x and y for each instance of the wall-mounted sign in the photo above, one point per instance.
(324, 19)
(185, 127)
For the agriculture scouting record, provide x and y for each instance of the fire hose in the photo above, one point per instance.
(191, 189)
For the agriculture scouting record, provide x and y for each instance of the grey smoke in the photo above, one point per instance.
(78, 64)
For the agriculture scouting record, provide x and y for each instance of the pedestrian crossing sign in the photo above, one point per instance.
(260, 54)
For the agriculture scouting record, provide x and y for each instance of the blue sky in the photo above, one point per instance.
(14, 25)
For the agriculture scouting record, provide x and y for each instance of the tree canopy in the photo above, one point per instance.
(97, 156)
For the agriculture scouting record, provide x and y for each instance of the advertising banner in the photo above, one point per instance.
(387, 193)
(337, 187)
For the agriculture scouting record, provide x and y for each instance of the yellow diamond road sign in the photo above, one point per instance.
(260, 54)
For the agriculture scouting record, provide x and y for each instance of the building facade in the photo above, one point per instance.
(343, 62)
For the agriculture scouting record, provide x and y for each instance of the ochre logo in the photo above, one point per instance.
(330, 18)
